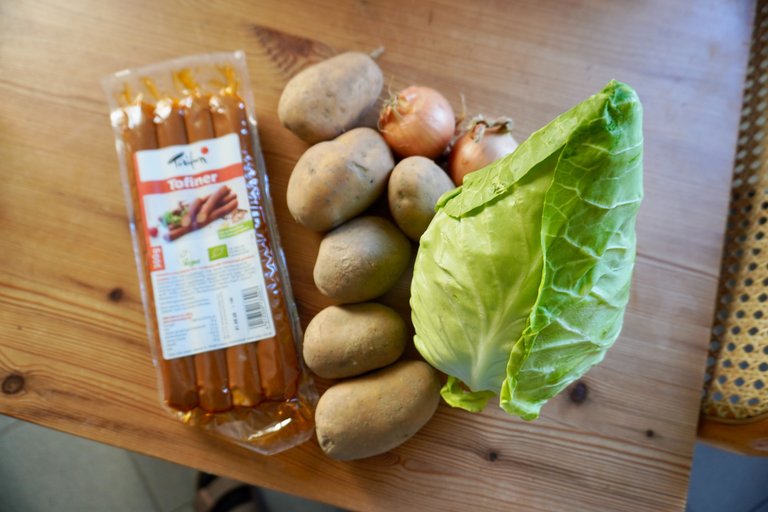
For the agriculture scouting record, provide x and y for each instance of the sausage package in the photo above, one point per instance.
(221, 320)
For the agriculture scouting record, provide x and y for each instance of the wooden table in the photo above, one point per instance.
(73, 354)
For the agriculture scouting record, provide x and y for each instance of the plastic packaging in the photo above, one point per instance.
(221, 320)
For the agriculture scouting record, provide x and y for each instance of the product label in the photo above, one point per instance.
(203, 255)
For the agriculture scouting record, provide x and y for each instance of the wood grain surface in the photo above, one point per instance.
(73, 353)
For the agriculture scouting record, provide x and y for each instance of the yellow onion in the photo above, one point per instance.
(418, 121)
(484, 142)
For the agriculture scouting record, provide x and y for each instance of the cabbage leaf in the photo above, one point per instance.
(522, 278)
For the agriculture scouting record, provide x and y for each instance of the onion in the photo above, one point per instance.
(483, 143)
(419, 121)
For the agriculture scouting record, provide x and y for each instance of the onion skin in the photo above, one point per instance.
(419, 121)
(482, 144)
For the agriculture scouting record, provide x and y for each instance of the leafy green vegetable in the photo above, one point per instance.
(172, 218)
(523, 276)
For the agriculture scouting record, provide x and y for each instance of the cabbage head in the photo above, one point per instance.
(523, 276)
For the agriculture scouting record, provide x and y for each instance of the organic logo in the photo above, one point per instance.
(217, 252)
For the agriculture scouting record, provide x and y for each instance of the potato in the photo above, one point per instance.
(330, 97)
(343, 341)
(361, 259)
(372, 414)
(414, 187)
(336, 180)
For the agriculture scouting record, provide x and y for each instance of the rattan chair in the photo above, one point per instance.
(734, 412)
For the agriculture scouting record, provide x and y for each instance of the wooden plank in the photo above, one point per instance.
(71, 321)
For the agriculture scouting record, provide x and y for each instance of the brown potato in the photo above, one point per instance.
(348, 340)
(360, 260)
(334, 181)
(330, 97)
(375, 413)
(414, 187)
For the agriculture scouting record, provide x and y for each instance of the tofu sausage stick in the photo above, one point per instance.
(169, 125)
(242, 360)
(178, 375)
(210, 367)
(244, 376)
(277, 360)
(210, 204)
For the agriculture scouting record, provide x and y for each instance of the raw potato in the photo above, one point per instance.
(344, 341)
(336, 180)
(373, 414)
(330, 97)
(414, 188)
(361, 259)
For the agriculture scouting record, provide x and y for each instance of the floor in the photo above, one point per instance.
(43, 470)
(722, 481)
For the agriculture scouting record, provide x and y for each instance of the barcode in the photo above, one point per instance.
(254, 308)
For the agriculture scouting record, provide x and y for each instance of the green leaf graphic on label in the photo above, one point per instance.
(235, 230)
(217, 252)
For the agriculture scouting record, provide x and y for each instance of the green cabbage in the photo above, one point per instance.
(522, 278)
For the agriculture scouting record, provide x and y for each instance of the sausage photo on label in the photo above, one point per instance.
(176, 233)
(189, 219)
(277, 360)
(222, 208)
(178, 375)
(210, 204)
